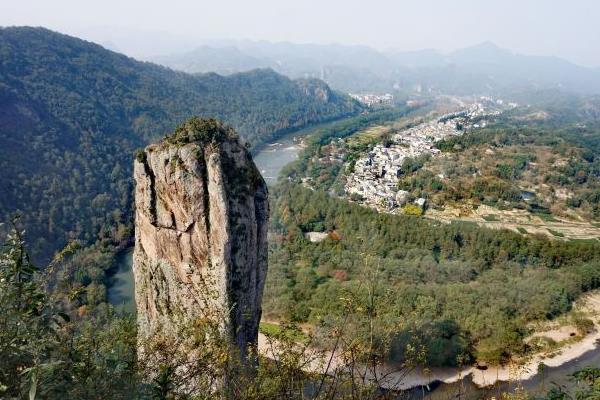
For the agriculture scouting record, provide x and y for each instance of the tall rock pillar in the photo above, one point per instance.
(200, 234)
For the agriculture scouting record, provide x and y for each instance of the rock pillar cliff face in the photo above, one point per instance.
(200, 233)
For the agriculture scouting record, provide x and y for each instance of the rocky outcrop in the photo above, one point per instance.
(201, 234)
(315, 88)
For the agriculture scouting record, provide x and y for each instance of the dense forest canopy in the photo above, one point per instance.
(72, 114)
(468, 290)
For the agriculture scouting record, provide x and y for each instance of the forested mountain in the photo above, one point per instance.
(72, 113)
(481, 69)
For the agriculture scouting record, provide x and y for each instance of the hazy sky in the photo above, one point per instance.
(565, 28)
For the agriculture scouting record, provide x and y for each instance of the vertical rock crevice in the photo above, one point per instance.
(201, 228)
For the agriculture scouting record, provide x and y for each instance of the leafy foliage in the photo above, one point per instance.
(466, 289)
(50, 353)
(54, 346)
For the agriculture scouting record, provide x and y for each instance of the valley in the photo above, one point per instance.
(248, 219)
(568, 354)
(334, 262)
(326, 268)
(271, 160)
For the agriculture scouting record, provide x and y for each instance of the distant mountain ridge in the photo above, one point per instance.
(72, 113)
(481, 69)
(225, 60)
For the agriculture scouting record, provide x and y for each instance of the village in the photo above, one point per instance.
(372, 100)
(374, 180)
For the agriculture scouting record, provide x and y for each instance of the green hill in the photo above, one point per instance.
(72, 113)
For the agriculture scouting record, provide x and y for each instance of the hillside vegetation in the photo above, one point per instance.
(543, 163)
(72, 114)
(468, 291)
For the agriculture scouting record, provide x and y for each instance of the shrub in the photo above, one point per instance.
(412, 209)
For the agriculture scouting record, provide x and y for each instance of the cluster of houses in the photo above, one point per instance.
(374, 180)
(374, 99)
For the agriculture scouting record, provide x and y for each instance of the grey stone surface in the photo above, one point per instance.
(200, 237)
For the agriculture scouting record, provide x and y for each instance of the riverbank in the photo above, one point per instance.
(526, 369)
(520, 370)
(273, 157)
(574, 354)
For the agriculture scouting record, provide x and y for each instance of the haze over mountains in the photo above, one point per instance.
(483, 69)
(74, 112)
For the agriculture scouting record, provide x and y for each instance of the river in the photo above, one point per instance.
(121, 288)
(270, 159)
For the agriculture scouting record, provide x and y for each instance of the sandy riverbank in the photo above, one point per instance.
(520, 370)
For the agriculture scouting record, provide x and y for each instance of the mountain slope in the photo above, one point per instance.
(488, 65)
(72, 113)
(347, 68)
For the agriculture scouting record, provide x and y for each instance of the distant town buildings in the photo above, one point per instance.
(375, 177)
(373, 99)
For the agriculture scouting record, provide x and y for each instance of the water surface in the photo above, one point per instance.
(272, 157)
(122, 287)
